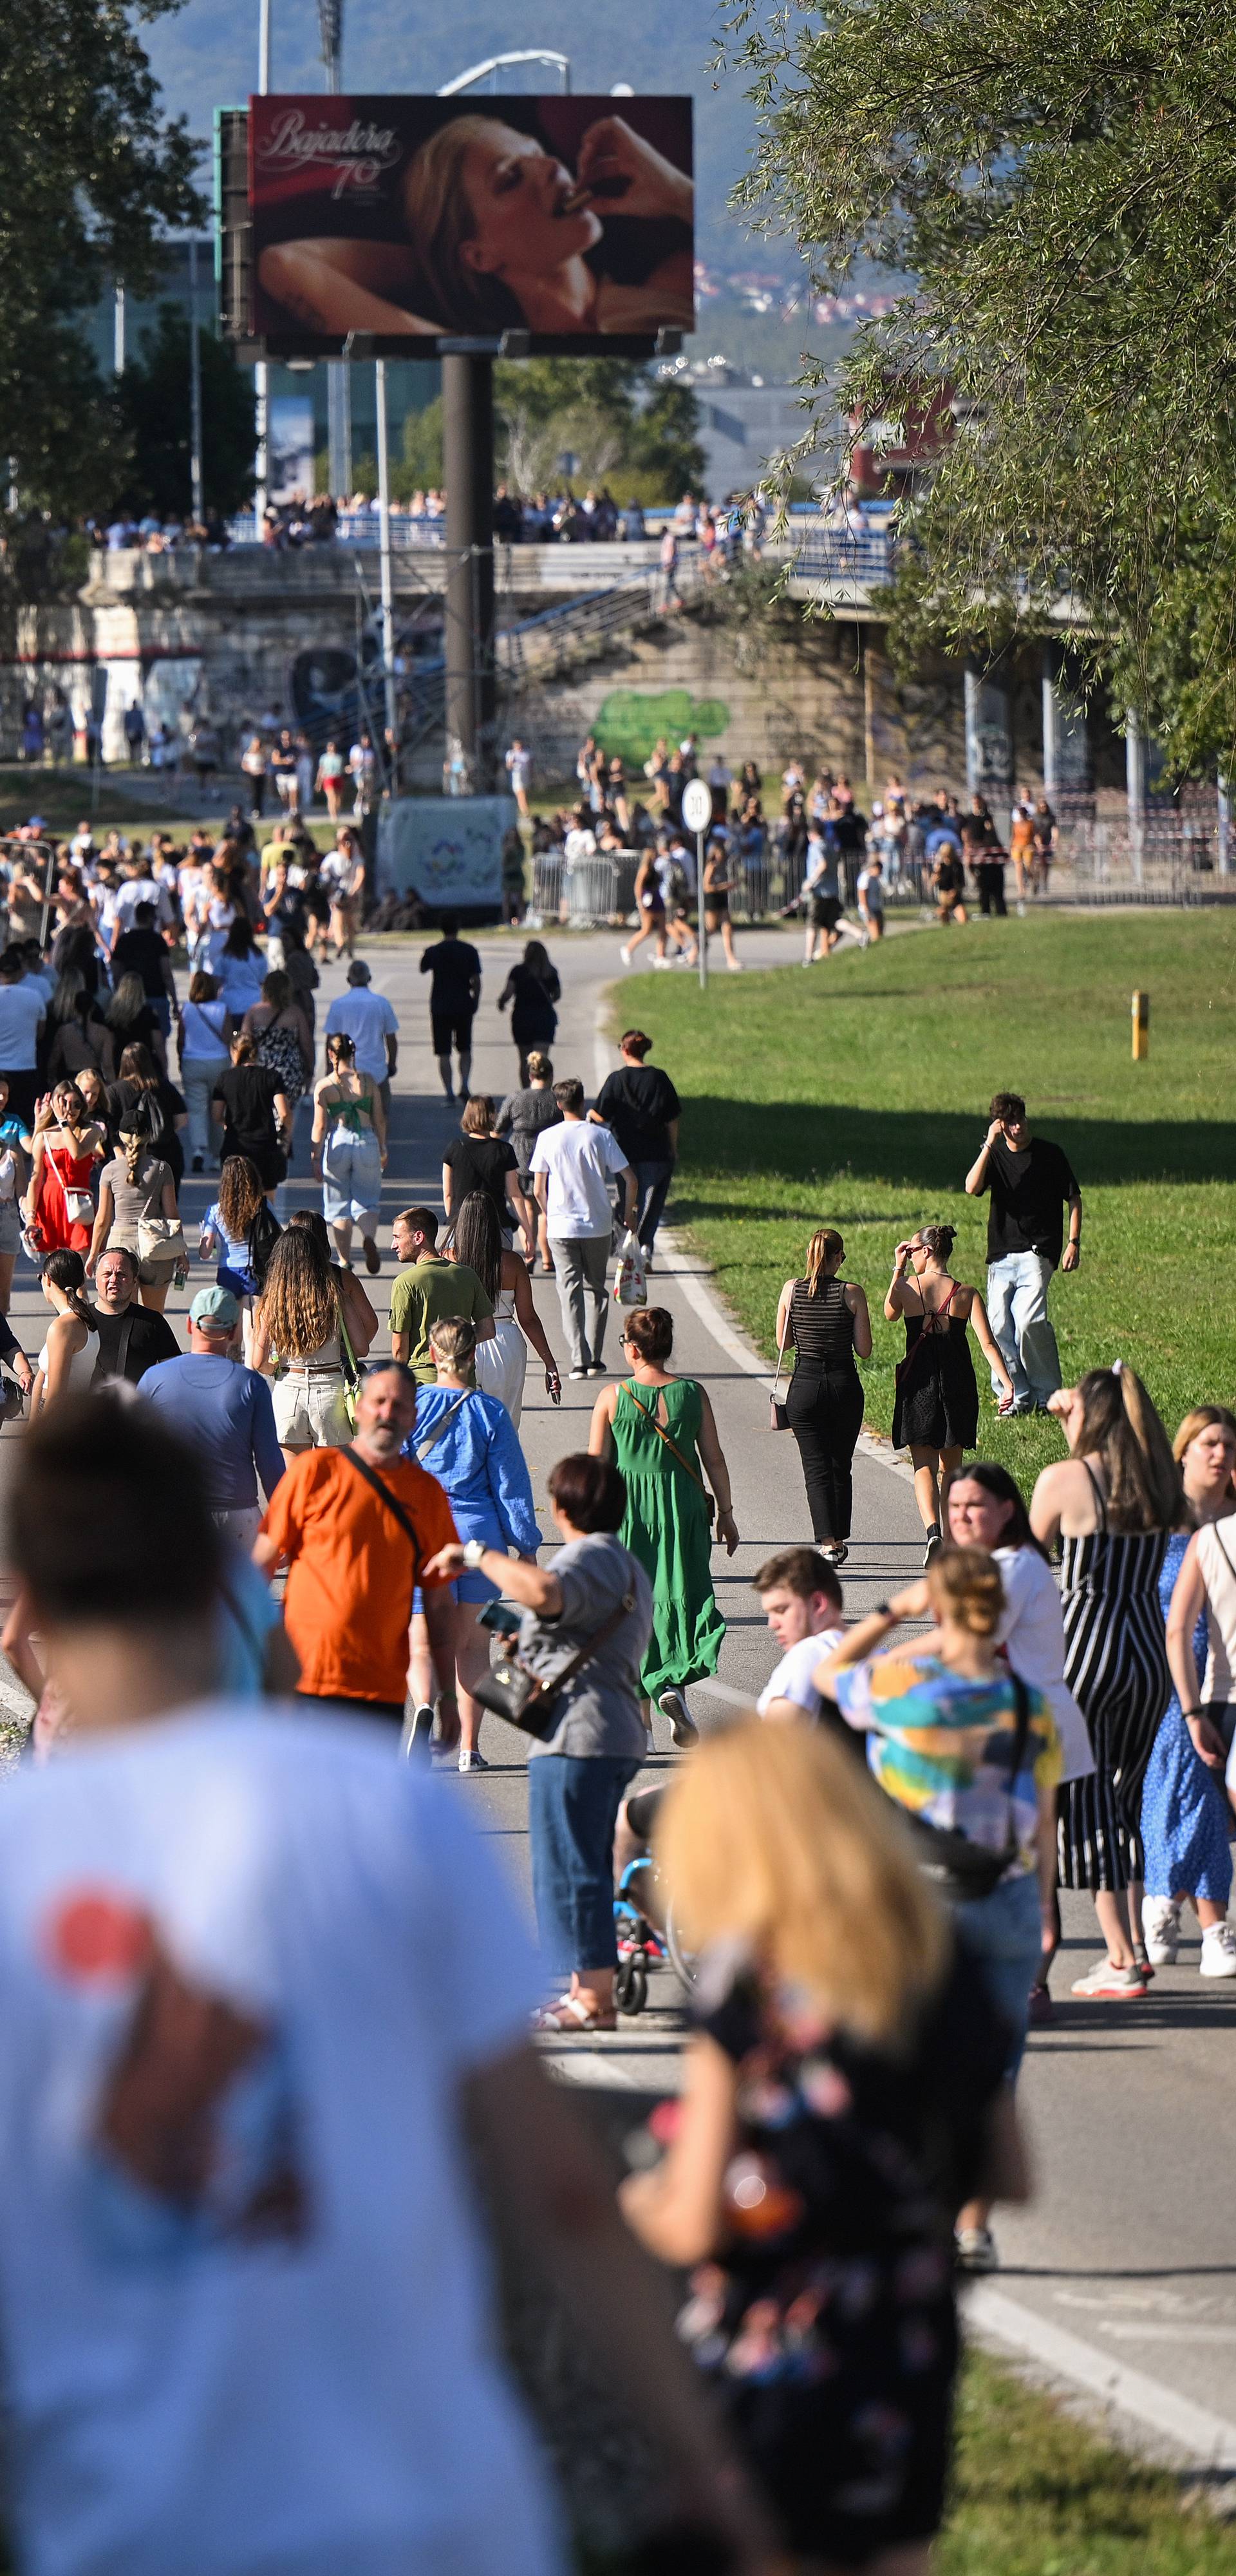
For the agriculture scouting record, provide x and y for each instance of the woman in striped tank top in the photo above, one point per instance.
(1112, 1504)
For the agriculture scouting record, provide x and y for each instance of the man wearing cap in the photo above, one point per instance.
(367, 1018)
(224, 1410)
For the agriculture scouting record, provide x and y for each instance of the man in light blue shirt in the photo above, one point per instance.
(224, 1410)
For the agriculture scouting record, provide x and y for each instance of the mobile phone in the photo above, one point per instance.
(499, 1616)
(553, 1388)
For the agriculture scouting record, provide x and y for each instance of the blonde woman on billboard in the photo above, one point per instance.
(503, 234)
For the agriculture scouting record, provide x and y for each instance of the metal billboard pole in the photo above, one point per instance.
(195, 390)
(261, 373)
(338, 372)
(468, 464)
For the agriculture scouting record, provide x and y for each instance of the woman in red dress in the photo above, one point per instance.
(59, 1204)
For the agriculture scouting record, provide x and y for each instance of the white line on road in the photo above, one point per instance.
(1206, 2437)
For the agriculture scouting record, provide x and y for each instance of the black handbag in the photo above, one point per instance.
(959, 1869)
(778, 1410)
(509, 1690)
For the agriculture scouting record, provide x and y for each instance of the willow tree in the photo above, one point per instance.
(1053, 191)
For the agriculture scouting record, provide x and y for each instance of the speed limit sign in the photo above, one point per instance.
(696, 805)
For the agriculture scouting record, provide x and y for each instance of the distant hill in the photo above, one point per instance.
(206, 56)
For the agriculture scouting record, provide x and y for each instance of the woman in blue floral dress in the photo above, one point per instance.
(844, 2095)
(1186, 1820)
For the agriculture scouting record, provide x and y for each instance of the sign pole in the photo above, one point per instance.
(387, 591)
(697, 818)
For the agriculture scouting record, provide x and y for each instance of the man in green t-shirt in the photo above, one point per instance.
(428, 1288)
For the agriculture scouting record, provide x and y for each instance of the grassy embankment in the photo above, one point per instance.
(856, 1095)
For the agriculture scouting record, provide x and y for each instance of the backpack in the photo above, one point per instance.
(264, 1234)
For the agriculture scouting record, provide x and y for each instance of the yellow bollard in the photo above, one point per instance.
(1141, 1027)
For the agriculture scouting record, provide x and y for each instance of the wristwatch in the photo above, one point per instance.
(474, 1550)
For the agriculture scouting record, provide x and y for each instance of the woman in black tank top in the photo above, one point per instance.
(824, 1321)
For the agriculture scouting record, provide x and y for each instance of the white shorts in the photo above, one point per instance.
(309, 1411)
(352, 1179)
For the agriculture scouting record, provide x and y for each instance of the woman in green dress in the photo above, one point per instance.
(662, 1435)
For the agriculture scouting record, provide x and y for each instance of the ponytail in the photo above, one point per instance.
(67, 1272)
(825, 1246)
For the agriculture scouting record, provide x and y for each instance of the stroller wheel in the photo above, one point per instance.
(631, 1986)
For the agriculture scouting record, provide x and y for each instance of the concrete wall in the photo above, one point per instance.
(223, 632)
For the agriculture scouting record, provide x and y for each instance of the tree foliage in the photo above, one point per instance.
(635, 432)
(154, 406)
(1059, 184)
(93, 174)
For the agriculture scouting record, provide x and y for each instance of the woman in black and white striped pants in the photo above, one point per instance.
(1111, 1504)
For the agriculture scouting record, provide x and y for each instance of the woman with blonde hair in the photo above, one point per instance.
(1186, 1819)
(302, 1338)
(843, 2094)
(824, 1320)
(1112, 1504)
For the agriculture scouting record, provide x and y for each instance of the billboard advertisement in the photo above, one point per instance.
(446, 849)
(416, 219)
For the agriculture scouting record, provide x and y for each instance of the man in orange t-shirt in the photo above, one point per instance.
(352, 1566)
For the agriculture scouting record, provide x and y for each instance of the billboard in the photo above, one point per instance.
(417, 219)
(446, 849)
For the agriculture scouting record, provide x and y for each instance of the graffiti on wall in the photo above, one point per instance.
(633, 721)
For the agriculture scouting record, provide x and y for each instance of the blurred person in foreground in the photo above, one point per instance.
(243, 2284)
(843, 2095)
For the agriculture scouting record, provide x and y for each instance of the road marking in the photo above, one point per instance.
(1143, 2333)
(595, 2067)
(723, 1690)
(1206, 2437)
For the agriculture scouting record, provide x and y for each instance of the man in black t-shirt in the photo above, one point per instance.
(143, 951)
(643, 1109)
(132, 1338)
(1030, 1183)
(453, 997)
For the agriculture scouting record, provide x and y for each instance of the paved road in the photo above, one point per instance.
(1127, 2249)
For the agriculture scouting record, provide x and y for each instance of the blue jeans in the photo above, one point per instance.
(573, 1802)
(653, 1180)
(198, 1076)
(1017, 1288)
(1003, 1934)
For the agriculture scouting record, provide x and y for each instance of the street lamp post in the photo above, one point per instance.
(195, 391)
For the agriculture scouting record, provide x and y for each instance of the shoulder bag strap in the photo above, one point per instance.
(444, 1419)
(782, 1346)
(592, 1645)
(671, 1445)
(1022, 1699)
(393, 1505)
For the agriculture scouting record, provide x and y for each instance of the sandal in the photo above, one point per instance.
(570, 2013)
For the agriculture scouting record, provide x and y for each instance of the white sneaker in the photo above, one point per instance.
(1218, 1950)
(625, 955)
(735, 965)
(682, 1725)
(1161, 1930)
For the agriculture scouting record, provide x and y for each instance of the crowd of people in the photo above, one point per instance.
(253, 1574)
(797, 844)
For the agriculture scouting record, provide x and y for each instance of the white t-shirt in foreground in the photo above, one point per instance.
(792, 1678)
(578, 1160)
(245, 1960)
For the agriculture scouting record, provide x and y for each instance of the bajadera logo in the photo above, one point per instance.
(358, 153)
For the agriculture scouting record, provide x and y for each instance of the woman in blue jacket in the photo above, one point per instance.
(469, 1442)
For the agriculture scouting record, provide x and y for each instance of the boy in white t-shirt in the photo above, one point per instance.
(801, 1599)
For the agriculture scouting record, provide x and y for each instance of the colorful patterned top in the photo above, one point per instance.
(942, 1746)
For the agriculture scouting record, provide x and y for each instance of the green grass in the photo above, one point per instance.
(856, 1096)
(1037, 2494)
